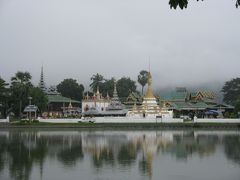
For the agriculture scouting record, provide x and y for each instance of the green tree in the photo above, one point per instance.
(97, 81)
(143, 78)
(70, 88)
(39, 98)
(20, 87)
(107, 87)
(231, 91)
(237, 3)
(125, 86)
(3, 85)
(4, 96)
(237, 108)
(89, 93)
(183, 3)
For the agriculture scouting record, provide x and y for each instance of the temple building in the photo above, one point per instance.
(133, 99)
(199, 103)
(58, 105)
(149, 107)
(116, 108)
(97, 105)
(41, 84)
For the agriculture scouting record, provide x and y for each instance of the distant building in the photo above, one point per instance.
(132, 100)
(97, 105)
(41, 84)
(149, 107)
(200, 103)
(58, 105)
(97, 101)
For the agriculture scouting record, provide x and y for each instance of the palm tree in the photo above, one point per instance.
(143, 78)
(3, 85)
(97, 80)
(21, 78)
(20, 86)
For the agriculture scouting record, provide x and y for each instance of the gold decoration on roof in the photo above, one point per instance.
(97, 90)
(70, 105)
(149, 94)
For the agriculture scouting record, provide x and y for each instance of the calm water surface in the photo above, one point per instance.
(119, 155)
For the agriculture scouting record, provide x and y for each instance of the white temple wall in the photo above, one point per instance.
(98, 105)
(196, 120)
(88, 103)
(101, 106)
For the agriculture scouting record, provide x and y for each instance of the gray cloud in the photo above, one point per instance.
(78, 38)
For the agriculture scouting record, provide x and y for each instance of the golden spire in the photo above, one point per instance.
(70, 105)
(134, 109)
(108, 96)
(87, 96)
(149, 93)
(98, 95)
(97, 90)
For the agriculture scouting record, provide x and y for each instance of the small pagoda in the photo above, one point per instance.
(149, 107)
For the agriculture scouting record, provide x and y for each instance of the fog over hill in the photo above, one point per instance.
(197, 47)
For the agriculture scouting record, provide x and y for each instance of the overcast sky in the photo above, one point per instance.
(79, 38)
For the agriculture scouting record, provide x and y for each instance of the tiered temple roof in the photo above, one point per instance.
(60, 99)
(97, 97)
(115, 103)
(52, 94)
(41, 84)
(185, 100)
(109, 107)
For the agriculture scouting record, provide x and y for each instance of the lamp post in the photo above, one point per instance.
(30, 112)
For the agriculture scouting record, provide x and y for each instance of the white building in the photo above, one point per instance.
(97, 102)
(149, 107)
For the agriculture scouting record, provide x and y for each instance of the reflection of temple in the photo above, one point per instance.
(20, 151)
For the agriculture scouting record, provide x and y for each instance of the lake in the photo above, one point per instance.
(66, 154)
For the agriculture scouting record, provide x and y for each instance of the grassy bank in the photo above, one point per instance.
(124, 125)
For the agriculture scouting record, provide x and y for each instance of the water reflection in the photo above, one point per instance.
(232, 148)
(20, 150)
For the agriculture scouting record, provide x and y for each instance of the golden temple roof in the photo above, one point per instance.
(149, 94)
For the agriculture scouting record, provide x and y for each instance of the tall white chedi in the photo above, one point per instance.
(149, 107)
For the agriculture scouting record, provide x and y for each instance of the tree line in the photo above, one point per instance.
(14, 95)
(125, 85)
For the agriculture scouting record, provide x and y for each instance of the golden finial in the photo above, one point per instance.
(149, 93)
(70, 105)
(98, 90)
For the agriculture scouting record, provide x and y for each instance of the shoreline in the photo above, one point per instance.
(130, 126)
